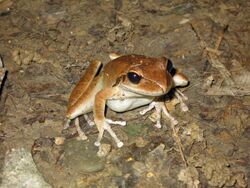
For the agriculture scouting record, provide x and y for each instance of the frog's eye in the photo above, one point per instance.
(170, 66)
(134, 77)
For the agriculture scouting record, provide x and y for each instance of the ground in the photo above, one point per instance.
(46, 47)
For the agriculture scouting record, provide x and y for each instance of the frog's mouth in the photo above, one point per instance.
(147, 91)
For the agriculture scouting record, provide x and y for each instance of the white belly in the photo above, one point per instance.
(127, 104)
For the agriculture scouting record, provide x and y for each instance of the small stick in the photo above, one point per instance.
(217, 52)
(179, 145)
(218, 43)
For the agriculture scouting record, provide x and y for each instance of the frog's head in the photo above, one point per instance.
(148, 76)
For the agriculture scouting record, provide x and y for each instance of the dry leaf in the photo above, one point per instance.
(193, 133)
(189, 176)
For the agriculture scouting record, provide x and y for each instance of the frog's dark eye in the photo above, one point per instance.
(169, 66)
(134, 77)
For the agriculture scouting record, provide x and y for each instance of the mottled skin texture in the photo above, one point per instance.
(112, 87)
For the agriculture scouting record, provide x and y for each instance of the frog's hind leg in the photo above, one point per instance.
(78, 99)
(84, 82)
(81, 134)
(67, 124)
(88, 120)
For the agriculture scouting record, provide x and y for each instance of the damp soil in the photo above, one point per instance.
(47, 45)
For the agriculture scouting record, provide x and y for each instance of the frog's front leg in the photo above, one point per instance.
(159, 107)
(101, 122)
(181, 97)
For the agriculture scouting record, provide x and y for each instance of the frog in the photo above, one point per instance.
(125, 83)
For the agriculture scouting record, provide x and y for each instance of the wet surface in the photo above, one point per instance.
(47, 45)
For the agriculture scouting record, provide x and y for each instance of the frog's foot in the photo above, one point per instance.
(159, 107)
(88, 120)
(181, 98)
(158, 124)
(105, 125)
(81, 134)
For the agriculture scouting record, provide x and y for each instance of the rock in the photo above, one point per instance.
(135, 129)
(155, 159)
(81, 157)
(139, 168)
(20, 171)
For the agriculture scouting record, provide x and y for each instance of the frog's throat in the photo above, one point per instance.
(150, 94)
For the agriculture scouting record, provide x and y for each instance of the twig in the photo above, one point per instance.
(59, 158)
(212, 55)
(213, 59)
(178, 141)
(218, 43)
(215, 51)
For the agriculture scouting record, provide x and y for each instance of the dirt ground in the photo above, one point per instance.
(46, 46)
